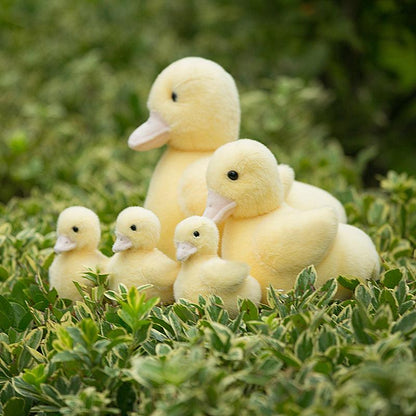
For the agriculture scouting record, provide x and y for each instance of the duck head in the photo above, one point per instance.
(195, 235)
(243, 181)
(77, 228)
(136, 228)
(193, 105)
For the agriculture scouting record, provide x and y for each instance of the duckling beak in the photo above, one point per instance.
(184, 250)
(63, 243)
(218, 207)
(151, 134)
(122, 243)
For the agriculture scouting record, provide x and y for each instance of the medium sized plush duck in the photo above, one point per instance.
(276, 240)
(204, 273)
(194, 108)
(78, 231)
(137, 261)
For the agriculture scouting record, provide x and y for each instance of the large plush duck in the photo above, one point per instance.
(137, 261)
(204, 273)
(194, 108)
(276, 240)
(78, 231)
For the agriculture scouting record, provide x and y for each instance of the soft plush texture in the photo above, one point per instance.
(276, 240)
(194, 108)
(137, 260)
(78, 232)
(204, 273)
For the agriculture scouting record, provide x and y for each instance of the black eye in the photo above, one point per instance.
(174, 96)
(75, 229)
(133, 227)
(233, 175)
(196, 233)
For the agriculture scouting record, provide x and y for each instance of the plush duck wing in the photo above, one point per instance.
(297, 240)
(223, 275)
(192, 189)
(287, 177)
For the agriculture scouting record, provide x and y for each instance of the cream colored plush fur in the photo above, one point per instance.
(204, 273)
(194, 108)
(78, 232)
(276, 240)
(137, 260)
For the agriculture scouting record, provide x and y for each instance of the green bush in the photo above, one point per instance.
(74, 81)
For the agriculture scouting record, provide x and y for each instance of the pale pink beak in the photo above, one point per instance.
(151, 134)
(218, 207)
(63, 243)
(122, 243)
(184, 250)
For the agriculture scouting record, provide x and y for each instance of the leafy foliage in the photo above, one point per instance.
(76, 78)
(75, 81)
(118, 353)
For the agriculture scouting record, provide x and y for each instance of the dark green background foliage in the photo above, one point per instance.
(77, 75)
(317, 80)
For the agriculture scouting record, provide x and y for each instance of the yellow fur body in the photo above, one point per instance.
(163, 197)
(78, 232)
(69, 267)
(141, 267)
(204, 273)
(137, 261)
(276, 240)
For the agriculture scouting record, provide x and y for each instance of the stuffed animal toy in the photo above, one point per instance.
(204, 273)
(276, 240)
(137, 260)
(78, 231)
(194, 108)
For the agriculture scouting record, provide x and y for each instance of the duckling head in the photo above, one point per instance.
(193, 105)
(77, 228)
(243, 181)
(196, 235)
(136, 228)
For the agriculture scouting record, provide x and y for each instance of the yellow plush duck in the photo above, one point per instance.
(194, 108)
(204, 273)
(137, 260)
(78, 231)
(276, 240)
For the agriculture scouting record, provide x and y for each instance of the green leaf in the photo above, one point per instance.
(360, 322)
(407, 324)
(304, 346)
(4, 274)
(348, 283)
(391, 278)
(305, 281)
(15, 406)
(363, 295)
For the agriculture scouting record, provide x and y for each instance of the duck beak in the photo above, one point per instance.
(218, 207)
(122, 243)
(63, 243)
(184, 250)
(151, 134)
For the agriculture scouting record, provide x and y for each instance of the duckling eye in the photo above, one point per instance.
(196, 233)
(174, 96)
(75, 229)
(133, 227)
(233, 175)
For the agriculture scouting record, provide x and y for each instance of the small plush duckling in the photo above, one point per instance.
(137, 260)
(276, 240)
(204, 273)
(194, 108)
(78, 231)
